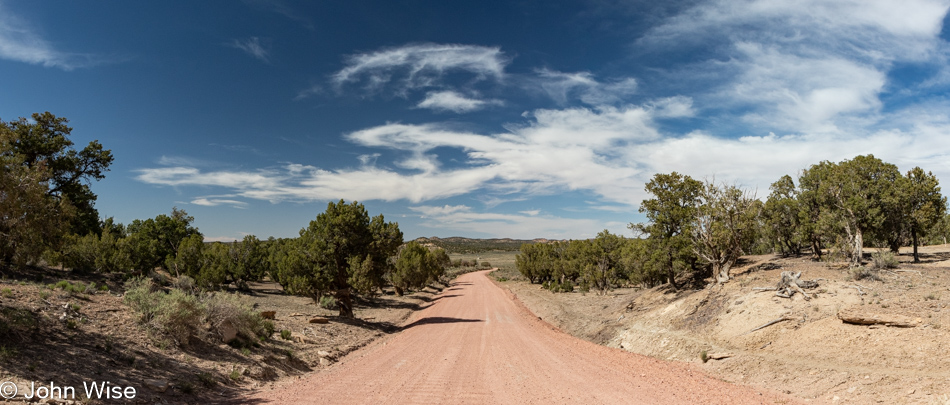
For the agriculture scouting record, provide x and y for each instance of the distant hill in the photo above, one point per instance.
(458, 244)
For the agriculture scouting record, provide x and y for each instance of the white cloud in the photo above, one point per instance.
(463, 220)
(455, 102)
(610, 152)
(871, 29)
(19, 42)
(253, 46)
(214, 202)
(802, 93)
(420, 65)
(802, 67)
(311, 91)
(562, 87)
(813, 74)
(673, 107)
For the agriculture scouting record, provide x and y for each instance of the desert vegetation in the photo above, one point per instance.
(147, 294)
(48, 217)
(697, 230)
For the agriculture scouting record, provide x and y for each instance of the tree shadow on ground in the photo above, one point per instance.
(384, 327)
(928, 257)
(438, 320)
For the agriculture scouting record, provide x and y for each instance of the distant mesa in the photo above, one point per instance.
(459, 244)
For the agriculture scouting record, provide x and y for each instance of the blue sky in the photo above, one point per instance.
(515, 119)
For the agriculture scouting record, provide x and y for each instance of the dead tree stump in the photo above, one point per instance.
(792, 282)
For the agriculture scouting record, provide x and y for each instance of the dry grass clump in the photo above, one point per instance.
(179, 314)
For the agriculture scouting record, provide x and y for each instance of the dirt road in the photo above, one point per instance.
(476, 345)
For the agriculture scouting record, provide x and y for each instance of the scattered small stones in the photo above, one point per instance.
(156, 385)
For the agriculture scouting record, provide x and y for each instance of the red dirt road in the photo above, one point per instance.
(476, 345)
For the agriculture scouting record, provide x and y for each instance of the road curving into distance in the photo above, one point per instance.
(476, 344)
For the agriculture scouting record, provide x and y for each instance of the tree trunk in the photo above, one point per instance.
(913, 234)
(672, 272)
(858, 246)
(345, 301)
(723, 273)
(816, 248)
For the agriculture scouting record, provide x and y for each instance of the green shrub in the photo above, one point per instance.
(285, 334)
(206, 379)
(179, 315)
(226, 309)
(328, 302)
(77, 288)
(6, 293)
(865, 273)
(884, 259)
(704, 356)
(175, 314)
(142, 297)
(554, 286)
(159, 278)
(7, 353)
(185, 283)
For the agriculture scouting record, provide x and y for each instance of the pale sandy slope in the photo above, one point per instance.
(476, 345)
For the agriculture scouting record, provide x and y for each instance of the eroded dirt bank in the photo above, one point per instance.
(813, 355)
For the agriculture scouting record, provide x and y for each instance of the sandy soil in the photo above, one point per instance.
(476, 344)
(70, 338)
(814, 356)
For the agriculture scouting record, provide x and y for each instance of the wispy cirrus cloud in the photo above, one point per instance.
(419, 66)
(562, 87)
(214, 202)
(455, 102)
(253, 46)
(467, 221)
(807, 67)
(20, 42)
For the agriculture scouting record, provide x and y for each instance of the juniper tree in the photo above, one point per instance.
(925, 205)
(340, 253)
(671, 212)
(43, 141)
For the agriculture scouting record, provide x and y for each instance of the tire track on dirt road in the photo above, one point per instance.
(476, 345)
